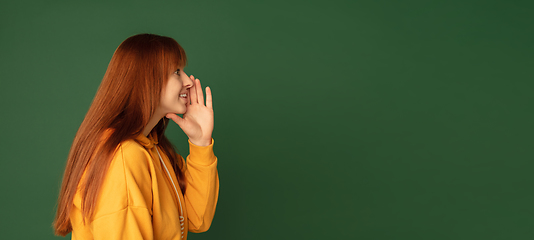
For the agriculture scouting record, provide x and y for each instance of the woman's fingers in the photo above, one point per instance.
(208, 98)
(192, 91)
(200, 95)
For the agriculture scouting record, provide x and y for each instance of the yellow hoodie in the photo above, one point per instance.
(138, 201)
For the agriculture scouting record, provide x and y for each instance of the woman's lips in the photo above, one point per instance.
(184, 96)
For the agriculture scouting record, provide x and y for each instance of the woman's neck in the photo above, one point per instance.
(151, 124)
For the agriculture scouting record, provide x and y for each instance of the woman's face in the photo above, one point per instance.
(175, 95)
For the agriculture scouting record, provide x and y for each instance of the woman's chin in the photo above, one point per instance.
(169, 114)
(178, 112)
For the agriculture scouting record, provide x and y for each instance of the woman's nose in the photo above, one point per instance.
(188, 83)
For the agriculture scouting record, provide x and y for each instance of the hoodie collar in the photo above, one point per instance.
(147, 142)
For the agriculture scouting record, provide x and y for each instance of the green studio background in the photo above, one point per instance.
(333, 119)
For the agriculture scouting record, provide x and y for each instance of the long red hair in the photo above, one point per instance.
(125, 101)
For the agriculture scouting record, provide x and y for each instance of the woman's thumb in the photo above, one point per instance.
(177, 119)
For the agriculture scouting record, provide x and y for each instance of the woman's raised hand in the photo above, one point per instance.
(197, 121)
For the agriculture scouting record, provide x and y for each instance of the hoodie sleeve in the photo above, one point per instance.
(202, 189)
(124, 207)
(129, 223)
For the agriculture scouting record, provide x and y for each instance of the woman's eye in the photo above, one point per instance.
(177, 72)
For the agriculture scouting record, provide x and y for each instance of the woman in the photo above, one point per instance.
(123, 179)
